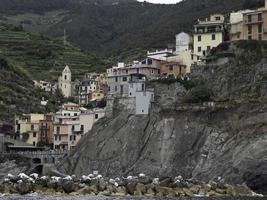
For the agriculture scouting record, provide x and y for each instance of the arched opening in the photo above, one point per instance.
(36, 161)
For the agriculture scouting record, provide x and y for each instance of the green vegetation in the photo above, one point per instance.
(251, 51)
(122, 30)
(44, 58)
(198, 94)
(18, 94)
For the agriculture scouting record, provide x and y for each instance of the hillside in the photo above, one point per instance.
(121, 28)
(18, 95)
(181, 136)
(42, 57)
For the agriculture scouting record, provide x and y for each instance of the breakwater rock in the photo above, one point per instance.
(140, 185)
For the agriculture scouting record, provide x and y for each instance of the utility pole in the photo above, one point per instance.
(65, 38)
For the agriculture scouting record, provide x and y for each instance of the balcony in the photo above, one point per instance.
(202, 31)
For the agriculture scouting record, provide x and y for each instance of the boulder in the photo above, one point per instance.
(195, 189)
(24, 188)
(166, 182)
(89, 190)
(69, 186)
(187, 192)
(102, 185)
(140, 189)
(241, 190)
(131, 188)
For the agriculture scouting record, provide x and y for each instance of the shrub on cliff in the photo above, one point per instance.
(198, 94)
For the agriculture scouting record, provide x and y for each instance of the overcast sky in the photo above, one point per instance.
(162, 1)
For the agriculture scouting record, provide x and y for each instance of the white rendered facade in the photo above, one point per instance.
(208, 34)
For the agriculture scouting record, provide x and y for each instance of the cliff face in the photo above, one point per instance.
(227, 139)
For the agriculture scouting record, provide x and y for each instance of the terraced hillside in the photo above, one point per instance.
(18, 95)
(42, 57)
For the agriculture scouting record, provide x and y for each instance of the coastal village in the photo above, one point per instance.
(93, 93)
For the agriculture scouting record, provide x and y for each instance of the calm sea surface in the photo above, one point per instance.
(38, 197)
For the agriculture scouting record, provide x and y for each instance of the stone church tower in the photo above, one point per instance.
(64, 82)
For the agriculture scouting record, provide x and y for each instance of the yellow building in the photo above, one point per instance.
(27, 126)
(97, 95)
(208, 34)
(102, 79)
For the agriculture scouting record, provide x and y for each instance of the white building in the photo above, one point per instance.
(160, 54)
(183, 53)
(64, 82)
(118, 77)
(46, 86)
(183, 42)
(208, 33)
(143, 96)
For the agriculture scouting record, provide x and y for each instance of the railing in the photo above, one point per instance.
(37, 153)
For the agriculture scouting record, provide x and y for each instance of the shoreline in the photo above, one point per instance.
(131, 187)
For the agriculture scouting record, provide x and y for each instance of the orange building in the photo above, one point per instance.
(172, 69)
(45, 133)
(255, 24)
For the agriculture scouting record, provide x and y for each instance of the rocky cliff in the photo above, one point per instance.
(226, 138)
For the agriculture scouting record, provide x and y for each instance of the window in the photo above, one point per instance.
(250, 37)
(199, 49)
(126, 71)
(66, 77)
(32, 127)
(82, 127)
(213, 37)
(75, 114)
(259, 17)
(116, 88)
(208, 48)
(96, 116)
(218, 18)
(34, 134)
(170, 67)
(72, 128)
(33, 143)
(152, 71)
(138, 71)
(249, 29)
(199, 38)
(143, 87)
(249, 18)
(58, 129)
(260, 37)
(116, 79)
(124, 79)
(260, 28)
